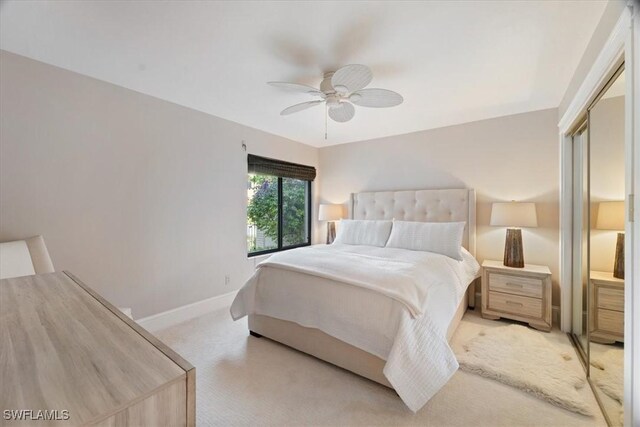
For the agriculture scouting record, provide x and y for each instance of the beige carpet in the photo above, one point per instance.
(242, 380)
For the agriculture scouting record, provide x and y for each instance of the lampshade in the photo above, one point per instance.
(514, 214)
(610, 216)
(330, 212)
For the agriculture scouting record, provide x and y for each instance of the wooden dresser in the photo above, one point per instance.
(607, 308)
(68, 354)
(522, 294)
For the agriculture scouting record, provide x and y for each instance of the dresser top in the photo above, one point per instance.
(63, 348)
(528, 268)
(604, 276)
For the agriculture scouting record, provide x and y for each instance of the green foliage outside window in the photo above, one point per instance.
(262, 210)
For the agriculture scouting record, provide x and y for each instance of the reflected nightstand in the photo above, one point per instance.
(607, 308)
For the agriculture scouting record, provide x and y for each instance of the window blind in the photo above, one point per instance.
(266, 166)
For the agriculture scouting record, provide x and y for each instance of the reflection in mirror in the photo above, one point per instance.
(606, 248)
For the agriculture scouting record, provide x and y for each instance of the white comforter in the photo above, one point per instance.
(394, 303)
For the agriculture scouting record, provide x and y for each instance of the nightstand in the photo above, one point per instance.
(522, 294)
(607, 308)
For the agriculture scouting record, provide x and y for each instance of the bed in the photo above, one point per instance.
(319, 315)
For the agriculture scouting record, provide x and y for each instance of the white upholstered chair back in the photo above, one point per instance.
(24, 258)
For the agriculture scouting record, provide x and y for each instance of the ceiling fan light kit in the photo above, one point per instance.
(340, 90)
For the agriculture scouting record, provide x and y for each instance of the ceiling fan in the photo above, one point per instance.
(340, 90)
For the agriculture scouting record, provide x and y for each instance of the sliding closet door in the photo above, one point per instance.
(580, 276)
(606, 246)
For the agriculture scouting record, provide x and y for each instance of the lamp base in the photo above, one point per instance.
(618, 264)
(331, 232)
(513, 253)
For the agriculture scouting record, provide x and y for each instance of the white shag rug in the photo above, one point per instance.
(514, 354)
(609, 376)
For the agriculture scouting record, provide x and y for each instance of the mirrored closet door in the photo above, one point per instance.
(580, 239)
(598, 245)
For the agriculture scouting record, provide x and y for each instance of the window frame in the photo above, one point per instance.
(280, 248)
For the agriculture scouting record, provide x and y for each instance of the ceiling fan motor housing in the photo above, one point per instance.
(333, 100)
(326, 87)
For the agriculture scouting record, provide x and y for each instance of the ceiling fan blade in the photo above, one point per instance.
(376, 98)
(342, 112)
(352, 77)
(295, 87)
(300, 107)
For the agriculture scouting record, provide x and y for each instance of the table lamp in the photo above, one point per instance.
(611, 217)
(514, 215)
(330, 213)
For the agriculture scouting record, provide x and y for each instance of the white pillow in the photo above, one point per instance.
(440, 237)
(363, 232)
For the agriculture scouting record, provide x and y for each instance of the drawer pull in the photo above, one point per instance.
(519, 304)
(515, 285)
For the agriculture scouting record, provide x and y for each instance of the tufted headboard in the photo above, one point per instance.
(446, 205)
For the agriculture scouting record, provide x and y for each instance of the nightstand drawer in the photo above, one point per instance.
(515, 304)
(517, 285)
(611, 299)
(610, 321)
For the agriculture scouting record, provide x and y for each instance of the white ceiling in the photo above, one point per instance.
(453, 62)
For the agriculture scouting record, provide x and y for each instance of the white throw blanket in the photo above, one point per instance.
(428, 286)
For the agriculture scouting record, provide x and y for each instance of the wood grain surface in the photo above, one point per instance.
(607, 308)
(63, 347)
(522, 294)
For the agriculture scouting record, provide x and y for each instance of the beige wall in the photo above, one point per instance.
(610, 16)
(508, 158)
(141, 198)
(145, 200)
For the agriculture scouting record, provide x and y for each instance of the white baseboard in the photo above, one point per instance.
(177, 315)
(555, 315)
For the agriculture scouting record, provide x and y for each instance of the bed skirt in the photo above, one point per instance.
(325, 347)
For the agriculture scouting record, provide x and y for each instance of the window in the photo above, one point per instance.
(278, 205)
